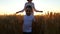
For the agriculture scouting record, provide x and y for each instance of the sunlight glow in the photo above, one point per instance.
(8, 7)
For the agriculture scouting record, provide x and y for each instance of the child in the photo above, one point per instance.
(29, 3)
(28, 20)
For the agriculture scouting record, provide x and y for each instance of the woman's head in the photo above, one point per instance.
(29, 0)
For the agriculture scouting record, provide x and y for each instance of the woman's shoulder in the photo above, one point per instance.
(27, 3)
(32, 2)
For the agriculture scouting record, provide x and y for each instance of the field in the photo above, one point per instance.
(46, 24)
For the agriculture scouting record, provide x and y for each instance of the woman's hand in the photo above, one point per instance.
(39, 11)
(19, 12)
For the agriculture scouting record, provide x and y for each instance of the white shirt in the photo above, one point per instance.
(31, 4)
(27, 25)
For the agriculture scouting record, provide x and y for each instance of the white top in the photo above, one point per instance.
(27, 25)
(31, 4)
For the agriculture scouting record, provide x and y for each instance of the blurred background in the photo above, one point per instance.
(8, 7)
(48, 22)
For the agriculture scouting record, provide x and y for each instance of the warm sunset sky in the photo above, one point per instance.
(12, 6)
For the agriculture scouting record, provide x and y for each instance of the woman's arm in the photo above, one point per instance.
(35, 9)
(21, 10)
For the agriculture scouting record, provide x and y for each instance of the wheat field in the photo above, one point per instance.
(47, 24)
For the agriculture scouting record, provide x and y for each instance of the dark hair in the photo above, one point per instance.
(29, 7)
(28, 0)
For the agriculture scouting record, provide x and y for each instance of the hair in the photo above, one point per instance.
(29, 7)
(28, 0)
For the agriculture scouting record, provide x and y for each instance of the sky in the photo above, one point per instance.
(12, 6)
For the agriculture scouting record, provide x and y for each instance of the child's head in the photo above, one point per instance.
(29, 0)
(28, 10)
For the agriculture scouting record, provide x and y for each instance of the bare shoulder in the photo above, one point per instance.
(26, 3)
(32, 3)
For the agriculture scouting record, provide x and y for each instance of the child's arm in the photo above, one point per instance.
(34, 25)
(22, 21)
